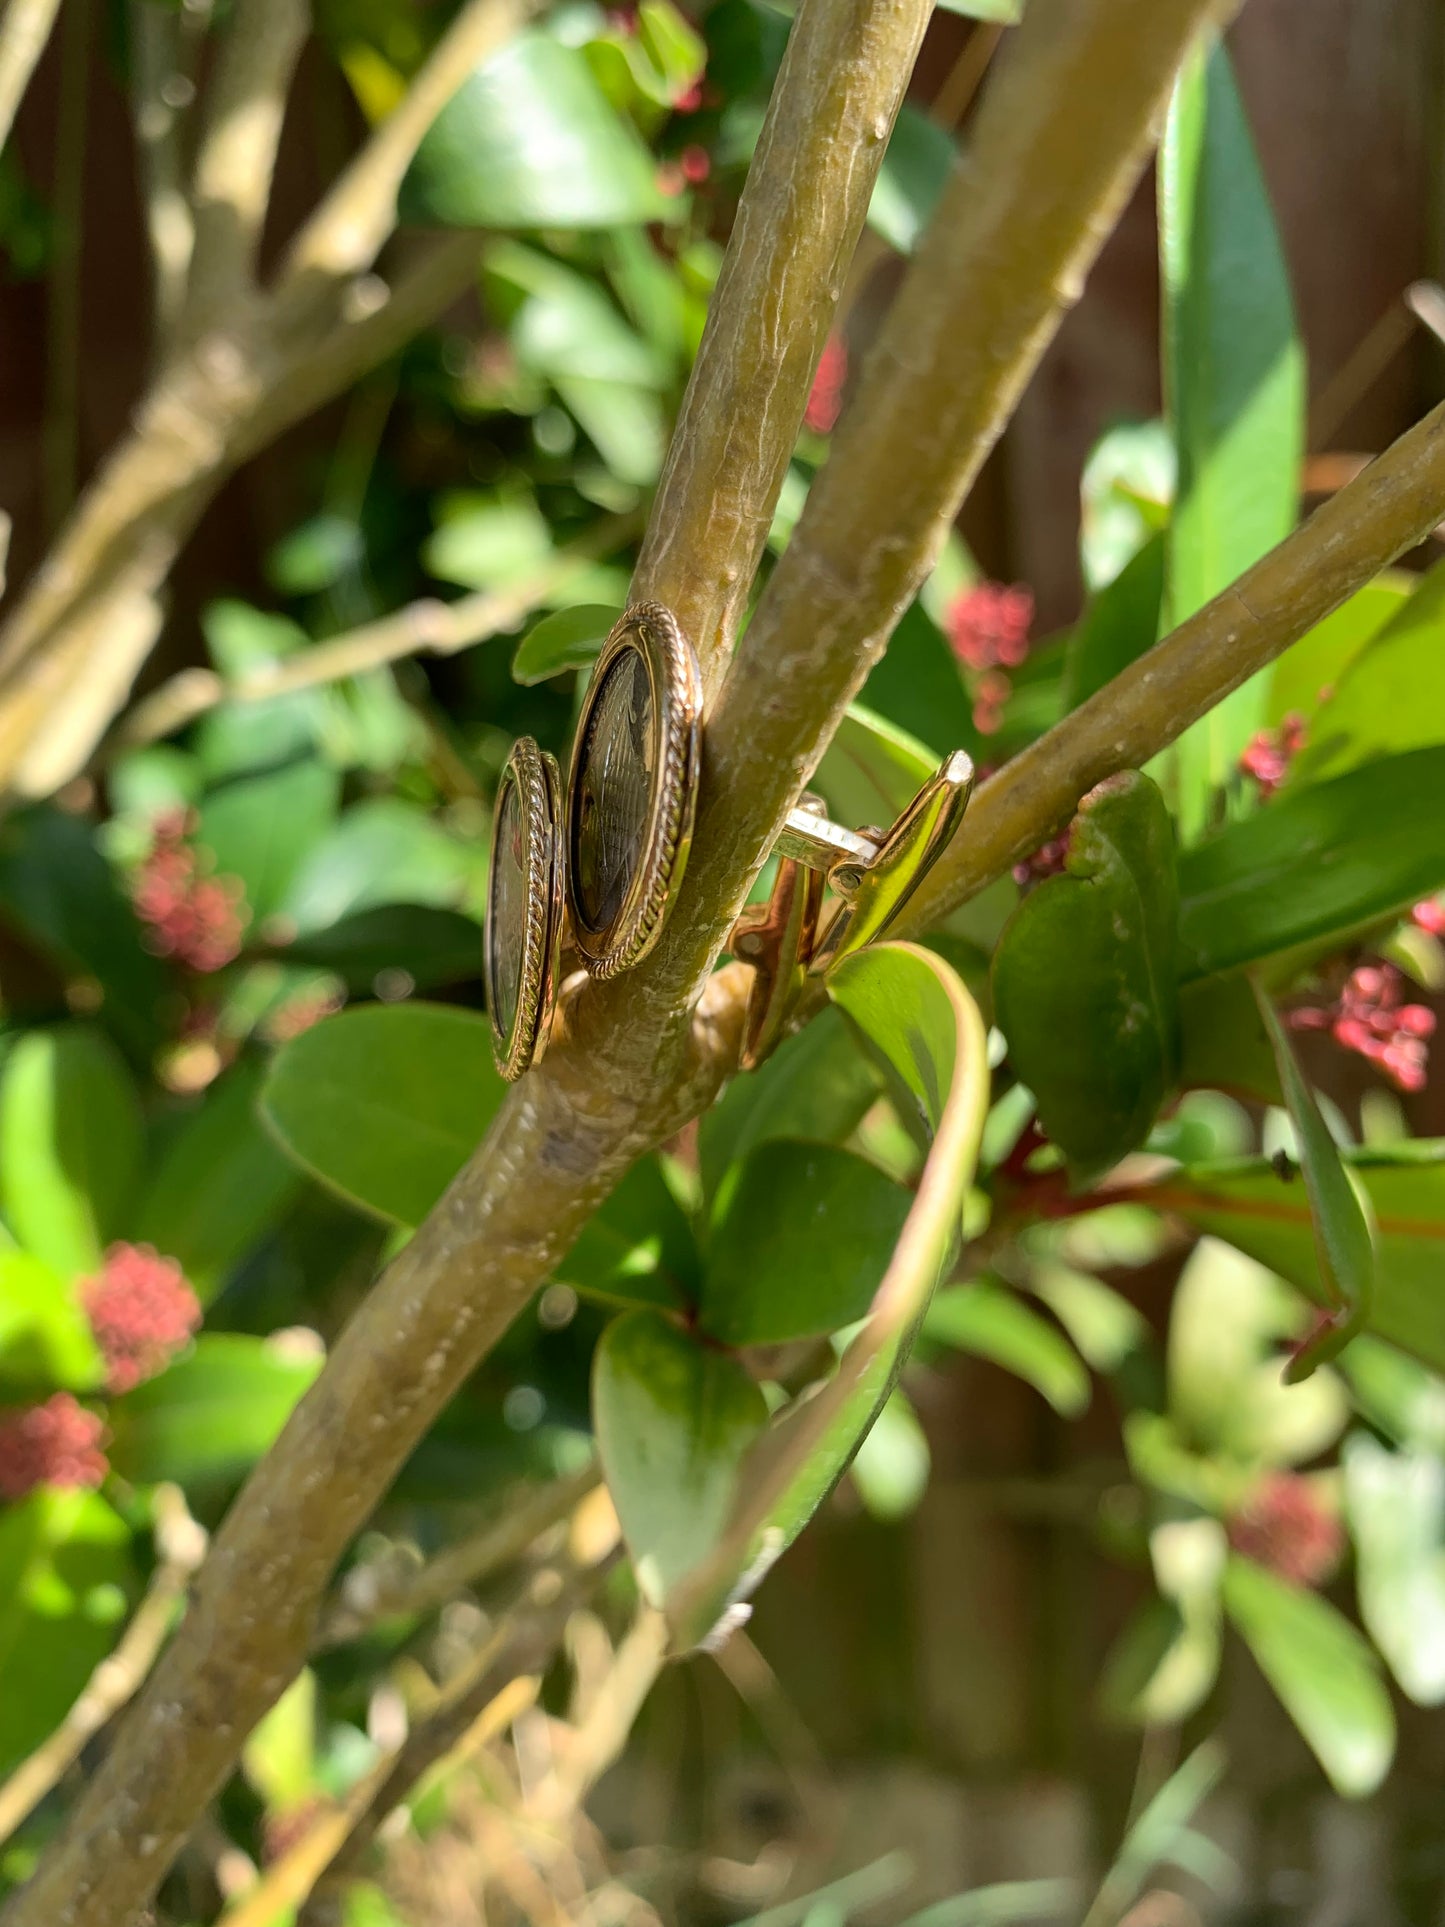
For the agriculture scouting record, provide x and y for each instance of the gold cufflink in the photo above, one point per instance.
(597, 873)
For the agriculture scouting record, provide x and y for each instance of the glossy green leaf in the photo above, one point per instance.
(1251, 1205)
(65, 1571)
(71, 1141)
(1120, 623)
(563, 323)
(816, 1085)
(915, 169)
(1097, 1043)
(1323, 1671)
(801, 1235)
(219, 1183)
(638, 1249)
(1390, 695)
(993, 1323)
(59, 893)
(261, 828)
(1306, 676)
(207, 1419)
(45, 1337)
(570, 639)
(674, 1420)
(1235, 382)
(430, 946)
(916, 1015)
(386, 1103)
(1227, 1397)
(1344, 1249)
(530, 141)
(916, 686)
(872, 769)
(1321, 862)
(1006, 12)
(1396, 1507)
(380, 851)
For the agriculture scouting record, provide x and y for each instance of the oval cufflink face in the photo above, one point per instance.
(524, 907)
(632, 790)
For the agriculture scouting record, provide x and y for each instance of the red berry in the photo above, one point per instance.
(57, 1443)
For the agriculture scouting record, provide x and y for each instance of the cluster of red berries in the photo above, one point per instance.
(197, 918)
(825, 399)
(142, 1312)
(1268, 755)
(1286, 1528)
(57, 1443)
(1047, 861)
(988, 630)
(1370, 1017)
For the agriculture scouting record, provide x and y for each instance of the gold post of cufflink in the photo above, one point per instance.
(873, 874)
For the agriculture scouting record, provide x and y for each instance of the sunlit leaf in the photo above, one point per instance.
(1396, 1506)
(570, 639)
(206, 1419)
(911, 179)
(994, 1323)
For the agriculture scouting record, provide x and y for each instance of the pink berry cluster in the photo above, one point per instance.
(825, 400)
(197, 918)
(1046, 861)
(57, 1443)
(142, 1312)
(1285, 1527)
(1268, 755)
(988, 630)
(1371, 1018)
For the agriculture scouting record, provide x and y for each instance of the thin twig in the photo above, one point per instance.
(180, 1547)
(366, 1597)
(965, 77)
(24, 30)
(159, 88)
(593, 1746)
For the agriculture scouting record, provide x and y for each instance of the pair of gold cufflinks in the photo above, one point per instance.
(600, 876)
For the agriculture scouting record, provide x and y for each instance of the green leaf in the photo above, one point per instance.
(623, 420)
(1322, 1670)
(247, 736)
(1320, 863)
(1163, 1665)
(1396, 1507)
(64, 1572)
(993, 1323)
(816, 1085)
(60, 894)
(379, 851)
(1226, 1394)
(801, 1235)
(530, 141)
(638, 1249)
(1305, 676)
(1235, 381)
(1249, 1204)
(563, 323)
(1344, 1248)
(872, 769)
(1162, 1837)
(433, 947)
(891, 1466)
(1125, 495)
(1097, 1042)
(1390, 695)
(70, 1145)
(485, 544)
(279, 1758)
(1007, 12)
(219, 1184)
(916, 686)
(208, 1418)
(1120, 624)
(1223, 1045)
(915, 168)
(259, 828)
(916, 1015)
(570, 639)
(45, 1336)
(386, 1103)
(674, 1421)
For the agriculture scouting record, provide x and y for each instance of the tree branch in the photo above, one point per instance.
(769, 318)
(24, 31)
(231, 184)
(181, 1546)
(156, 49)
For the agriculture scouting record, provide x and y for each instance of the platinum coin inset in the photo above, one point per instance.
(524, 907)
(632, 789)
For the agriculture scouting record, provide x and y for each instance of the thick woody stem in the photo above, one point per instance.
(636, 1066)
